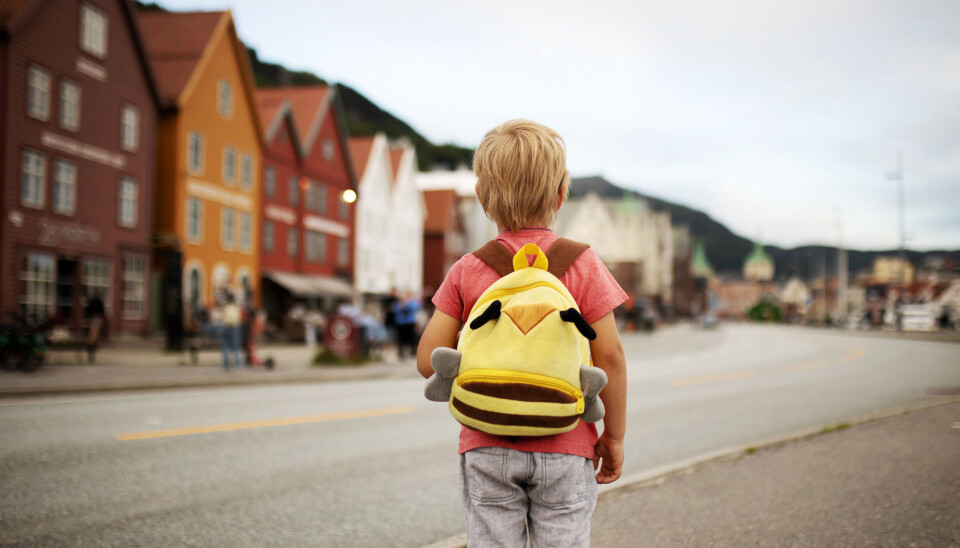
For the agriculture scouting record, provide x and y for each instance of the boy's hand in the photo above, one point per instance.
(609, 458)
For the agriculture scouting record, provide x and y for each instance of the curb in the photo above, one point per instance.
(640, 479)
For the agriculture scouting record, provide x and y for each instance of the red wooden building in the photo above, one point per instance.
(307, 238)
(443, 237)
(78, 110)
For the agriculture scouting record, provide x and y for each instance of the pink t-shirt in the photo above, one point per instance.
(591, 285)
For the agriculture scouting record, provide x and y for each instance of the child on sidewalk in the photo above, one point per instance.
(544, 487)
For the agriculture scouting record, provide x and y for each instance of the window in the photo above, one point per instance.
(224, 99)
(292, 241)
(227, 228)
(129, 128)
(246, 230)
(308, 197)
(134, 287)
(64, 187)
(93, 31)
(268, 236)
(194, 220)
(32, 184)
(194, 282)
(127, 204)
(343, 252)
(269, 181)
(316, 247)
(194, 152)
(294, 190)
(320, 196)
(36, 286)
(246, 171)
(344, 210)
(96, 280)
(328, 149)
(38, 93)
(69, 105)
(229, 165)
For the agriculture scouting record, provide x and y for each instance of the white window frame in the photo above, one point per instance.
(93, 30)
(229, 168)
(293, 241)
(133, 285)
(33, 168)
(328, 149)
(69, 104)
(316, 247)
(194, 236)
(127, 202)
(64, 187)
(246, 232)
(195, 162)
(269, 181)
(228, 222)
(320, 198)
(293, 193)
(343, 252)
(246, 171)
(224, 99)
(37, 271)
(129, 128)
(38, 92)
(269, 235)
(96, 277)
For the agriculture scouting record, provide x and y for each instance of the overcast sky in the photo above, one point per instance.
(780, 119)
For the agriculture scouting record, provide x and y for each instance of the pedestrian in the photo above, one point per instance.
(541, 489)
(95, 313)
(230, 332)
(405, 317)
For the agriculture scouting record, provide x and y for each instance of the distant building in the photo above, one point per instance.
(892, 270)
(79, 108)
(478, 229)
(758, 266)
(443, 237)
(207, 204)
(796, 299)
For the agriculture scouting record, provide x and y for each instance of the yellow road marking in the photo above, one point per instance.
(805, 366)
(262, 423)
(719, 377)
(853, 356)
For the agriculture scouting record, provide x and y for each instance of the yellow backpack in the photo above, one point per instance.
(522, 365)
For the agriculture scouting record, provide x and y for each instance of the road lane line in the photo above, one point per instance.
(719, 377)
(805, 366)
(854, 354)
(263, 423)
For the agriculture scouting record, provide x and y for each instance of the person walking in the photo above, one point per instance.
(405, 315)
(95, 313)
(230, 332)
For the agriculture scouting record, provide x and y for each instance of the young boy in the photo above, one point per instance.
(542, 486)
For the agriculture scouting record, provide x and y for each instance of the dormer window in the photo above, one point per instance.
(328, 149)
(224, 99)
(93, 30)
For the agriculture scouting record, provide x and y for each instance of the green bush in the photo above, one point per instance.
(326, 357)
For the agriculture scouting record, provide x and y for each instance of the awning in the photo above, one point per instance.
(302, 285)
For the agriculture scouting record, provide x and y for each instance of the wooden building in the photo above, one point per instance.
(207, 207)
(78, 109)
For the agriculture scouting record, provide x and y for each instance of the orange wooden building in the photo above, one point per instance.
(207, 204)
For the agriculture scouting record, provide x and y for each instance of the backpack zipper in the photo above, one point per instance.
(506, 376)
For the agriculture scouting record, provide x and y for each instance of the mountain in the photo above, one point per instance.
(727, 250)
(363, 116)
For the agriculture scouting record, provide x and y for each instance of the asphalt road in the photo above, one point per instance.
(374, 464)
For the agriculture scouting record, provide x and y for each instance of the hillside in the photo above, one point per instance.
(363, 116)
(727, 250)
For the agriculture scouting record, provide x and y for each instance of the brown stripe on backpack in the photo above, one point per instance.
(519, 392)
(505, 419)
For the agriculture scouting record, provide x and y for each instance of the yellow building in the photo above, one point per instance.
(207, 200)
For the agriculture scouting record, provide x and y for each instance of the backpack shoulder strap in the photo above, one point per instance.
(562, 254)
(496, 256)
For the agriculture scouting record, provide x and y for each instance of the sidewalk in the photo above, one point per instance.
(135, 365)
(890, 482)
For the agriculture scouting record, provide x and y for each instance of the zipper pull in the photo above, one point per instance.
(580, 403)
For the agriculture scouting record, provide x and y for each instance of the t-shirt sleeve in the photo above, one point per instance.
(592, 285)
(448, 297)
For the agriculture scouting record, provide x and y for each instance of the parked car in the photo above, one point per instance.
(917, 317)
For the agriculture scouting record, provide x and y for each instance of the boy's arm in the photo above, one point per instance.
(608, 355)
(440, 331)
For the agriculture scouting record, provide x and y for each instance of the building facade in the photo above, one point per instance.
(78, 108)
(207, 204)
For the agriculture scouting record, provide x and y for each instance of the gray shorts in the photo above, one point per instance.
(508, 494)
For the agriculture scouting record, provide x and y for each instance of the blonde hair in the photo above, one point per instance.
(521, 169)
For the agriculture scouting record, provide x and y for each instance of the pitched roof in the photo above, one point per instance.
(175, 43)
(310, 105)
(269, 108)
(360, 148)
(441, 208)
